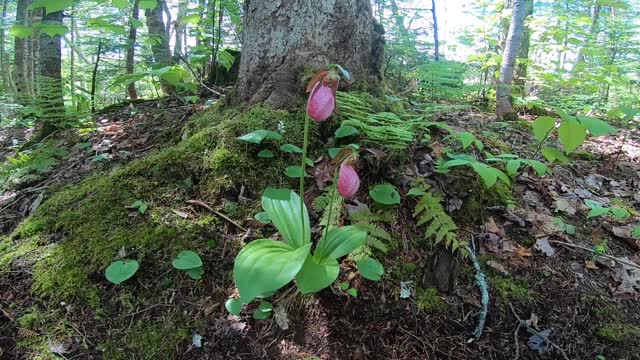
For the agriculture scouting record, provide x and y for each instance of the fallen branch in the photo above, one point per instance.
(481, 281)
(204, 205)
(619, 260)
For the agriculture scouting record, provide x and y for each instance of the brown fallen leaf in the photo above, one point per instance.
(590, 264)
(492, 227)
(566, 206)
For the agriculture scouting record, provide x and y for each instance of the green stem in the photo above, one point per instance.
(334, 190)
(302, 166)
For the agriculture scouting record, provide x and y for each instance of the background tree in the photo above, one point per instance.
(305, 35)
(504, 106)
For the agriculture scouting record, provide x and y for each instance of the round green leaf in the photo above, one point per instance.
(370, 269)
(571, 134)
(265, 153)
(121, 270)
(254, 137)
(187, 260)
(295, 172)
(346, 130)
(265, 306)
(261, 315)
(542, 126)
(385, 194)
(513, 166)
(263, 217)
(290, 148)
(196, 273)
(416, 192)
(234, 306)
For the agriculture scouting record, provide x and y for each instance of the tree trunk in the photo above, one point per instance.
(94, 78)
(593, 33)
(21, 53)
(72, 60)
(7, 81)
(50, 78)
(131, 49)
(160, 40)
(286, 40)
(523, 53)
(504, 107)
(436, 41)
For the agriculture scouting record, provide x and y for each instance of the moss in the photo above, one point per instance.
(480, 198)
(96, 223)
(429, 301)
(147, 341)
(404, 270)
(11, 250)
(618, 333)
(508, 289)
(51, 323)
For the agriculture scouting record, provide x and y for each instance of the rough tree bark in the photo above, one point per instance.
(131, 48)
(504, 107)
(302, 36)
(593, 34)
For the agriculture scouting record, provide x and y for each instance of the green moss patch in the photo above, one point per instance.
(429, 301)
(618, 333)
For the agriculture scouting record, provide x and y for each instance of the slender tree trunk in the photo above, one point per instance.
(179, 33)
(436, 41)
(131, 49)
(395, 10)
(21, 53)
(160, 40)
(504, 107)
(304, 35)
(94, 77)
(72, 60)
(593, 34)
(50, 78)
(523, 52)
(7, 81)
(213, 75)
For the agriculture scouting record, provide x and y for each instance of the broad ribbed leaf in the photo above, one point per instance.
(513, 166)
(264, 266)
(340, 242)
(283, 208)
(316, 276)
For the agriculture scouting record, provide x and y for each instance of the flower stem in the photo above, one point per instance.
(334, 190)
(302, 166)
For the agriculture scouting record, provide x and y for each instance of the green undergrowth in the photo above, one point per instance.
(479, 198)
(429, 301)
(610, 323)
(147, 340)
(80, 229)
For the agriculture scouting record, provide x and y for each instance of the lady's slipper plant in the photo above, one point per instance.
(264, 266)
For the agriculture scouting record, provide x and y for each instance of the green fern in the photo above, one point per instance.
(440, 227)
(377, 237)
(329, 200)
(387, 129)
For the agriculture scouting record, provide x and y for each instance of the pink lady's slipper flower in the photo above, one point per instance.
(348, 180)
(321, 103)
(323, 87)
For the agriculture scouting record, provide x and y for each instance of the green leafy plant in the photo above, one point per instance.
(190, 262)
(385, 194)
(264, 266)
(121, 270)
(513, 163)
(567, 228)
(140, 205)
(487, 173)
(377, 237)
(467, 139)
(572, 132)
(596, 210)
(347, 289)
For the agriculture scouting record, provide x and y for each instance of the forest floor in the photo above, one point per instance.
(559, 289)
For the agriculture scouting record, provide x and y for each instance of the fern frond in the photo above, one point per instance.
(440, 227)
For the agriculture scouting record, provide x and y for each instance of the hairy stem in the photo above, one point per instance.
(302, 165)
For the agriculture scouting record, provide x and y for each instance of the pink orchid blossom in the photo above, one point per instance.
(321, 103)
(348, 180)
